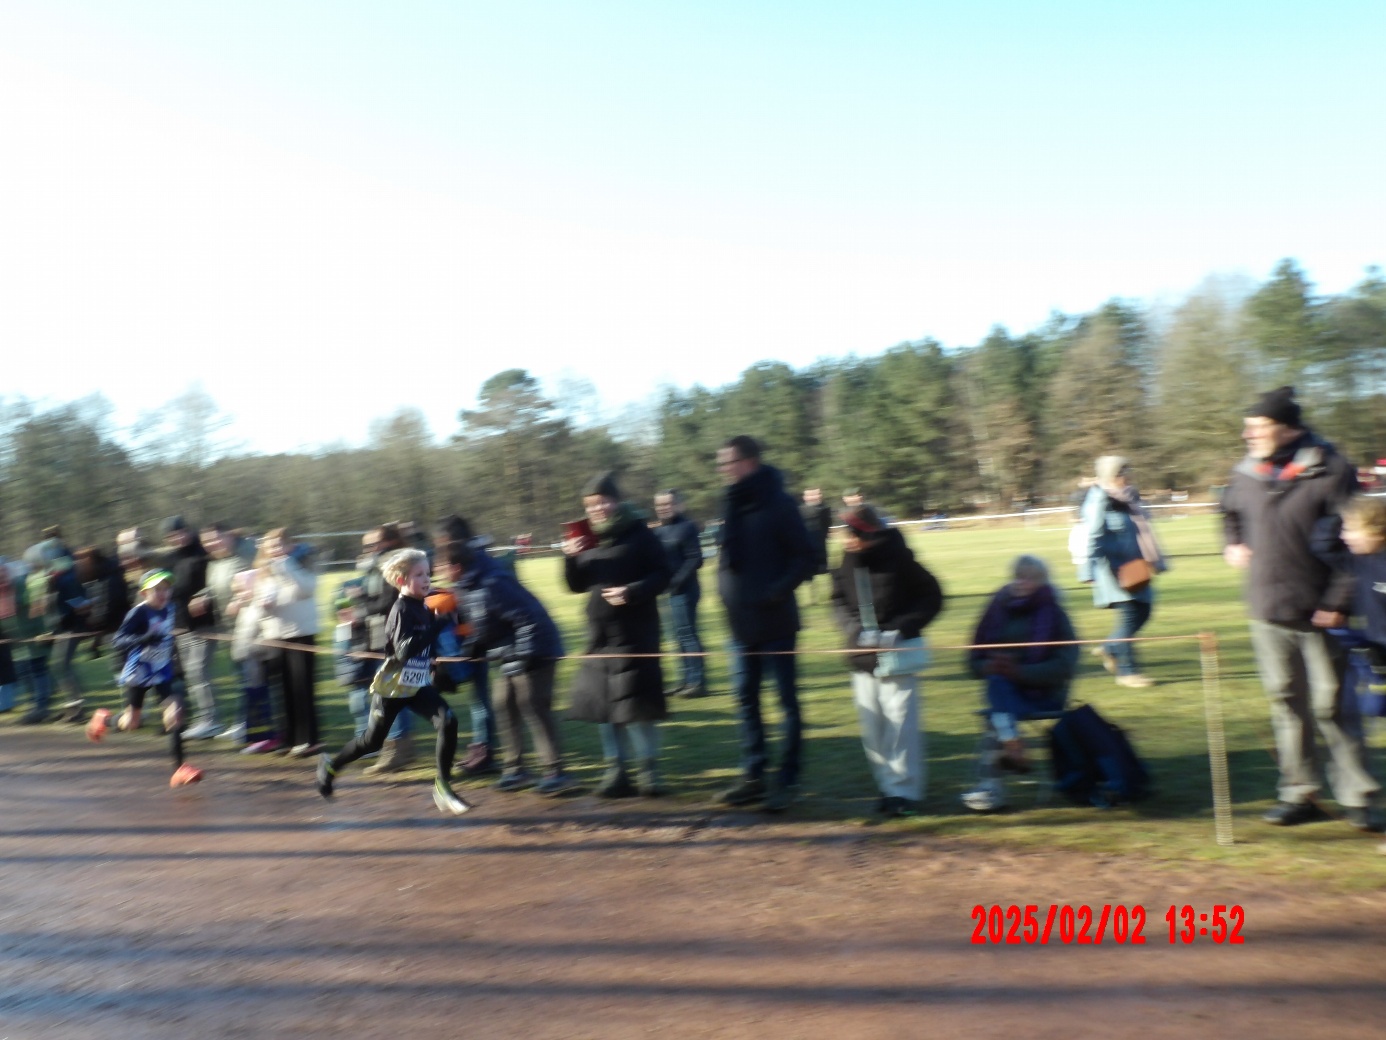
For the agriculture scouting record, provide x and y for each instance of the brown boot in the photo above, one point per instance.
(394, 756)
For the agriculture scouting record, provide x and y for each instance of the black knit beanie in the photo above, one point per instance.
(1279, 406)
(603, 484)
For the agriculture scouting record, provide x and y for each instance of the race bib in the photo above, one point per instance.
(414, 672)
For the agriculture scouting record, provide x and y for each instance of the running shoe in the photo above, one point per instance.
(185, 774)
(304, 750)
(100, 722)
(447, 800)
(129, 720)
(262, 747)
(204, 730)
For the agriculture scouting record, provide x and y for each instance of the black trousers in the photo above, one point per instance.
(296, 671)
(134, 697)
(427, 703)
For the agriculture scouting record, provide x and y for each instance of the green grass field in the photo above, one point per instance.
(1166, 723)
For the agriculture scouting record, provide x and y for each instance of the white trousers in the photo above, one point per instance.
(889, 712)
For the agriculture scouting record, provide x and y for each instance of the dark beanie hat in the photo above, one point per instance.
(1279, 406)
(864, 520)
(603, 484)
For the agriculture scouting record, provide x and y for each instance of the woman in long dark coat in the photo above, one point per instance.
(623, 575)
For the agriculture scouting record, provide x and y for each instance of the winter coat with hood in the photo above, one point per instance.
(505, 618)
(765, 556)
(906, 597)
(1281, 508)
(620, 689)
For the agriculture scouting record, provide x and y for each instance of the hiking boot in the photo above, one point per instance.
(1364, 818)
(478, 761)
(514, 780)
(96, 728)
(1291, 814)
(647, 781)
(780, 798)
(394, 756)
(615, 784)
(184, 775)
(988, 796)
(447, 800)
(326, 774)
(556, 784)
(743, 792)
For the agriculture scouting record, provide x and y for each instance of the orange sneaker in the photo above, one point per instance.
(100, 722)
(185, 774)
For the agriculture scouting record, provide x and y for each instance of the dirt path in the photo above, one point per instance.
(248, 907)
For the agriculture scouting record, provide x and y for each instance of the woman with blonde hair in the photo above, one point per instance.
(1122, 559)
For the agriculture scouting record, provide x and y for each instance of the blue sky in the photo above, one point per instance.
(327, 211)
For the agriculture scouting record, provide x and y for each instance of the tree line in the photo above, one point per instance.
(1009, 422)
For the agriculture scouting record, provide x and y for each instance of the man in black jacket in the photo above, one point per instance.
(765, 555)
(679, 537)
(1282, 498)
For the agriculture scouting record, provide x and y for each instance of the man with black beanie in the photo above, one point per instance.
(1282, 502)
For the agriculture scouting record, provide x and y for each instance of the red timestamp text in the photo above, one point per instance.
(1069, 925)
(1222, 924)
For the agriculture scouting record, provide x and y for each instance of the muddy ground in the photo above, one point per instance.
(248, 907)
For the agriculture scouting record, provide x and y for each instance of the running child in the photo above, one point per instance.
(146, 638)
(403, 681)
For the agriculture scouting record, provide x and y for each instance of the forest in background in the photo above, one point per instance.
(1009, 422)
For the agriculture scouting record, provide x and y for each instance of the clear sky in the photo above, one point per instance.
(324, 210)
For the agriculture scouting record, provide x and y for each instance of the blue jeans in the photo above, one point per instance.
(66, 671)
(747, 668)
(1006, 702)
(483, 715)
(683, 621)
(33, 672)
(642, 738)
(1131, 617)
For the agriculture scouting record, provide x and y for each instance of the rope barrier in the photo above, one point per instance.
(1209, 666)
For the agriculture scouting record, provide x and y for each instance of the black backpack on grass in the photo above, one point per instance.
(1094, 763)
